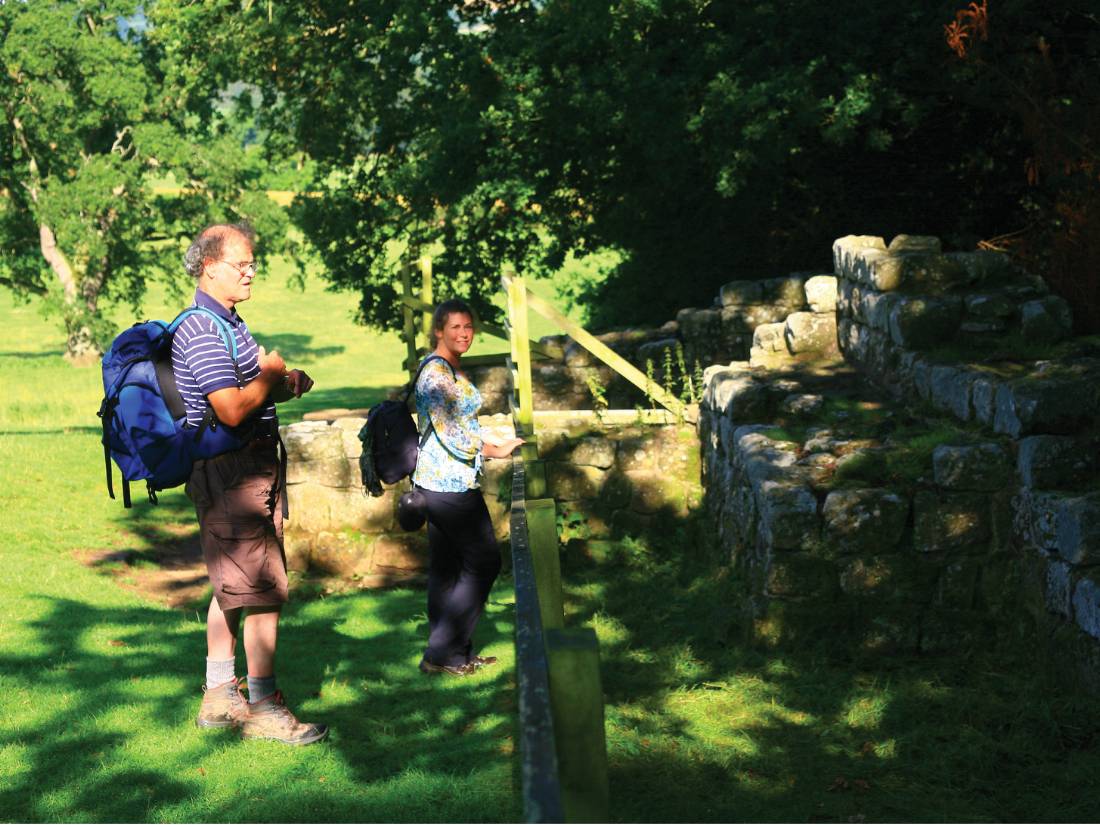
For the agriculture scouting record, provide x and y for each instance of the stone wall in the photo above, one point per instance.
(611, 475)
(1001, 521)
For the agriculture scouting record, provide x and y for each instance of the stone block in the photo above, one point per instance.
(847, 298)
(1044, 405)
(1086, 605)
(799, 575)
(734, 392)
(1046, 320)
(876, 308)
(652, 492)
(699, 324)
(788, 514)
(401, 551)
(568, 482)
(339, 554)
(950, 391)
(983, 393)
(315, 508)
(740, 293)
(655, 351)
(914, 243)
(921, 323)
(875, 576)
(595, 451)
(335, 471)
(499, 513)
(313, 441)
(971, 467)
(296, 548)
(1033, 518)
(949, 521)
(989, 305)
(1053, 462)
(925, 272)
(985, 266)
(802, 404)
(787, 291)
(865, 520)
(848, 251)
(737, 321)
(577, 356)
(770, 338)
(1058, 587)
(1077, 529)
(821, 293)
(809, 332)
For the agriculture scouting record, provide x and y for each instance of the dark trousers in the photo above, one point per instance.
(465, 561)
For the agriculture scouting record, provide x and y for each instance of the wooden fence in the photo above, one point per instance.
(562, 744)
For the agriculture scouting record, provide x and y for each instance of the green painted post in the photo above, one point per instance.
(409, 326)
(542, 538)
(536, 473)
(576, 703)
(521, 354)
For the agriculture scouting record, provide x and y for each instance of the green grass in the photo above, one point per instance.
(98, 688)
(704, 727)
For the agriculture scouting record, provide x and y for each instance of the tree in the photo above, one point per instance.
(705, 141)
(93, 111)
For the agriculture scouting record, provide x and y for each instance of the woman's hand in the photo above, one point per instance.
(502, 450)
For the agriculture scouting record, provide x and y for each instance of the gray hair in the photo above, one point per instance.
(208, 244)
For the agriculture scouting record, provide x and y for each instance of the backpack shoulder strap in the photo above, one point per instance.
(420, 369)
(227, 336)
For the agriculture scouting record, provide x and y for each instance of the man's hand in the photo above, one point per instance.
(502, 450)
(271, 363)
(298, 383)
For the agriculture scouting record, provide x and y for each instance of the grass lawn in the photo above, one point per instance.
(98, 688)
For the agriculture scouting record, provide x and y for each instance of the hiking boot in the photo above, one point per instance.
(222, 706)
(270, 718)
(467, 669)
(483, 661)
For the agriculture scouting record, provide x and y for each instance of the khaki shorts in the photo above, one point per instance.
(237, 499)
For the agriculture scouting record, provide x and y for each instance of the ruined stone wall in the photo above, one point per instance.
(1001, 520)
(610, 475)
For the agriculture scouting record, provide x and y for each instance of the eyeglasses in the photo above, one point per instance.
(241, 267)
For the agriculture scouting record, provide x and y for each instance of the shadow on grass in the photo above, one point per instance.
(108, 734)
(704, 725)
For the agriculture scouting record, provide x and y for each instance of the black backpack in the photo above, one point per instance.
(390, 439)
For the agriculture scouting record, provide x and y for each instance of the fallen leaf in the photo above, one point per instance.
(861, 784)
(202, 771)
(868, 748)
(117, 643)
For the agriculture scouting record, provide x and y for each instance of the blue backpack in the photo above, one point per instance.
(145, 426)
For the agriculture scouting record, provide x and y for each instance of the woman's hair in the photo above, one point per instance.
(445, 310)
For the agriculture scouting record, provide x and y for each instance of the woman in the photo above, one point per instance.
(465, 560)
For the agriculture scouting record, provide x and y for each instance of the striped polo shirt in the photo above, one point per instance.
(202, 363)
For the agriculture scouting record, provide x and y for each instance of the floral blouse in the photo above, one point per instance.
(450, 460)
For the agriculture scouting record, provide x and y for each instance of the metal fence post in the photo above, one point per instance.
(576, 702)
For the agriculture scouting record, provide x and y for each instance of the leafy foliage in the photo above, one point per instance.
(91, 115)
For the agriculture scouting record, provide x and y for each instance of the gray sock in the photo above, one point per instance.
(260, 687)
(220, 671)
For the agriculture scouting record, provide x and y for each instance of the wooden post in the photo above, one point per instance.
(536, 470)
(542, 537)
(426, 292)
(576, 703)
(409, 326)
(521, 354)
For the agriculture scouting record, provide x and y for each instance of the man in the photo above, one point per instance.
(238, 495)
